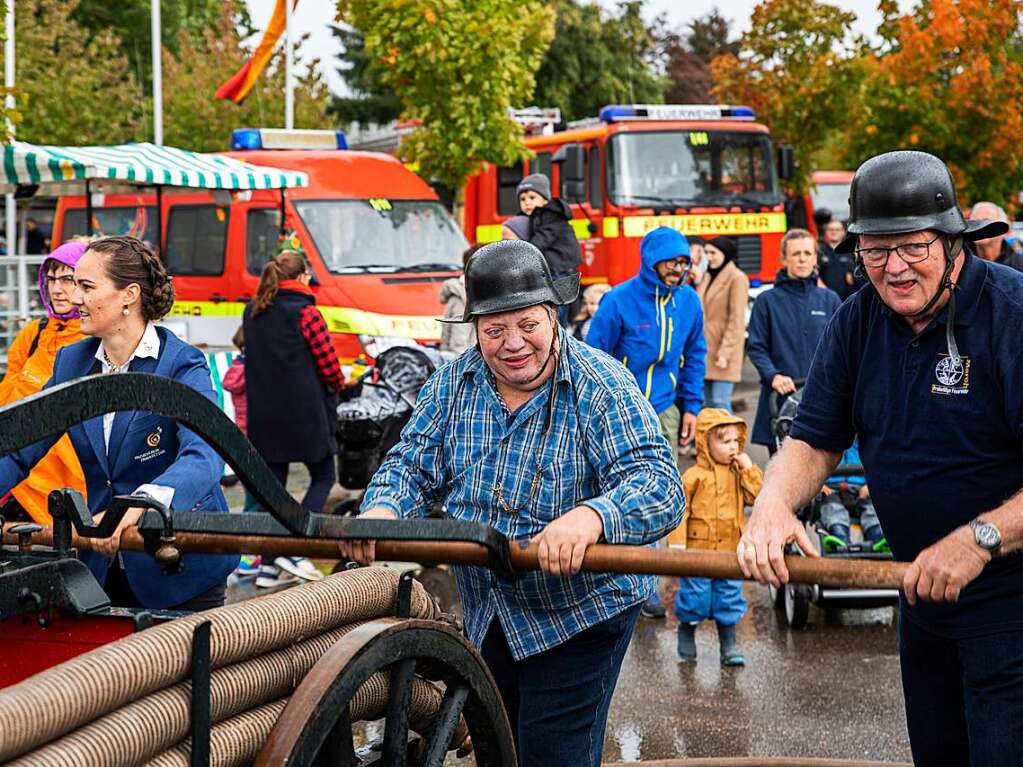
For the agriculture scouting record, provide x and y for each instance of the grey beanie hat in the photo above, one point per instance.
(535, 182)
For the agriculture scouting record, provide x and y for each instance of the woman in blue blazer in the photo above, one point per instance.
(121, 289)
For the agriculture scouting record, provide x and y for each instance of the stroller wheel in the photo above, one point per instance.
(797, 604)
(777, 597)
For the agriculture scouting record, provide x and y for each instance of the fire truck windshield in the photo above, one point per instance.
(383, 235)
(685, 168)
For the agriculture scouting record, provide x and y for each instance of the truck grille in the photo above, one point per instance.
(748, 258)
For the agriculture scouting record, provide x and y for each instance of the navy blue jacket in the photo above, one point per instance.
(145, 448)
(939, 443)
(784, 329)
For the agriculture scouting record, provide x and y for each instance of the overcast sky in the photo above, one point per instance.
(316, 16)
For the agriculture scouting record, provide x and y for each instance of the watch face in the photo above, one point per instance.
(987, 536)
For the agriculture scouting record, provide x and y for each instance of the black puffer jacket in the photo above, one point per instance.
(550, 231)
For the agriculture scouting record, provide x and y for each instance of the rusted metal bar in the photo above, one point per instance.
(839, 573)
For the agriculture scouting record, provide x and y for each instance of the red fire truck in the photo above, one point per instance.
(704, 169)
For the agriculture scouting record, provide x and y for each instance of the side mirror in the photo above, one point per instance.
(572, 160)
(786, 162)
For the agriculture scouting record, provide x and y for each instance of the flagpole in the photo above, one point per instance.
(289, 84)
(11, 210)
(157, 73)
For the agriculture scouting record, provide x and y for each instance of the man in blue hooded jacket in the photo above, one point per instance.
(653, 324)
(786, 324)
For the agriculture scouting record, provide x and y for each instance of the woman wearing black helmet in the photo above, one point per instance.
(545, 439)
(925, 368)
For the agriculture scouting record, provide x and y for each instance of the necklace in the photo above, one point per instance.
(114, 368)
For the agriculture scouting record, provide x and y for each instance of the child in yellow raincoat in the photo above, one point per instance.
(718, 488)
(30, 364)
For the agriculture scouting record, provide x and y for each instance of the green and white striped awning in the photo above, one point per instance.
(62, 169)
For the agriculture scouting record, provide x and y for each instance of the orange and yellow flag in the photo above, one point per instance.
(238, 87)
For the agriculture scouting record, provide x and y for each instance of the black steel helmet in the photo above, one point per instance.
(905, 191)
(512, 274)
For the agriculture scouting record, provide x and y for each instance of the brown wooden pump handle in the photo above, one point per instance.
(640, 560)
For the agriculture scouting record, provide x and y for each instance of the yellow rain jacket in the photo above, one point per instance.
(716, 494)
(26, 375)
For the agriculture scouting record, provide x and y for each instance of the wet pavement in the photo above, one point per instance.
(829, 690)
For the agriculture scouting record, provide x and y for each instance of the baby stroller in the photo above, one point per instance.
(369, 424)
(373, 413)
(845, 481)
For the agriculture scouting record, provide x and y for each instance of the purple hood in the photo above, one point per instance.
(67, 254)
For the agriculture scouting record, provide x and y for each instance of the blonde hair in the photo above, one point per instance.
(592, 292)
(794, 234)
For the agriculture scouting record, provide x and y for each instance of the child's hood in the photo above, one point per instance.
(710, 418)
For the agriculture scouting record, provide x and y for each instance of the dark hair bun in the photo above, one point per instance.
(157, 304)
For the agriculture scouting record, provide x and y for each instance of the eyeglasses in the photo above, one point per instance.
(677, 263)
(67, 281)
(910, 252)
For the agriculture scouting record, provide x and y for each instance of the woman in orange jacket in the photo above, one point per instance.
(29, 366)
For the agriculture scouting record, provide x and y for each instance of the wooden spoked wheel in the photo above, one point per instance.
(315, 728)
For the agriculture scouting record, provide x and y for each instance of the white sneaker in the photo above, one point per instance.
(271, 577)
(300, 567)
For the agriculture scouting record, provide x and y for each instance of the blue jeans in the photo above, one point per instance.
(964, 697)
(700, 599)
(718, 394)
(557, 701)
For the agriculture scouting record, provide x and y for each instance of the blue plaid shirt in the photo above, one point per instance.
(604, 449)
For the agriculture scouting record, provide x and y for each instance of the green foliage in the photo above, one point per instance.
(95, 98)
(710, 36)
(688, 55)
(129, 21)
(598, 57)
(12, 114)
(800, 70)
(458, 67)
(372, 101)
(194, 119)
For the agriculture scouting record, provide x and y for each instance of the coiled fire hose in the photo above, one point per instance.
(642, 560)
(127, 702)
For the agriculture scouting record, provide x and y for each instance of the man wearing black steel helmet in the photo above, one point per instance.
(926, 369)
(545, 439)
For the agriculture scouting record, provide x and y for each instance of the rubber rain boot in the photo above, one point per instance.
(836, 539)
(875, 537)
(686, 646)
(730, 655)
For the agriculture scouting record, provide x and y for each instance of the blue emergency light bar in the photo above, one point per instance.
(249, 139)
(616, 112)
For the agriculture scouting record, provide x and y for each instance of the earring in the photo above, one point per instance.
(125, 311)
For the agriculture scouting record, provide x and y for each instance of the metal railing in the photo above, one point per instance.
(19, 297)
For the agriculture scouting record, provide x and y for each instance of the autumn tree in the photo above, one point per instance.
(194, 119)
(456, 67)
(74, 87)
(799, 69)
(688, 55)
(948, 79)
(598, 57)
